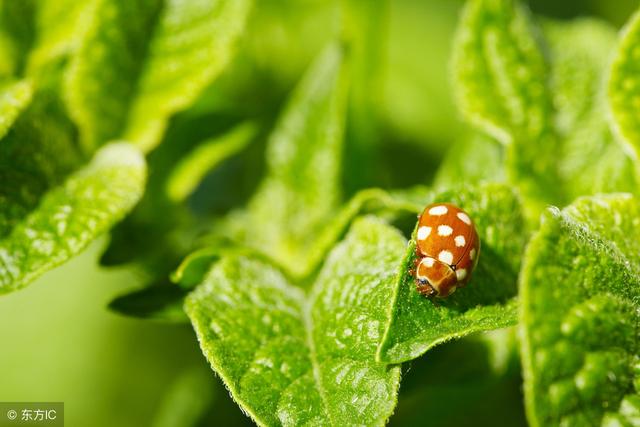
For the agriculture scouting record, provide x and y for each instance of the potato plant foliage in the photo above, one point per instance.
(259, 213)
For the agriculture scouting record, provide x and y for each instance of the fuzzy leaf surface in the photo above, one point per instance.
(579, 52)
(501, 83)
(580, 299)
(58, 28)
(292, 359)
(146, 60)
(301, 191)
(70, 216)
(624, 85)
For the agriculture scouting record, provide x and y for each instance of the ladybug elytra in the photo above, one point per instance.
(447, 250)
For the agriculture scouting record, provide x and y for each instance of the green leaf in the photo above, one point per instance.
(157, 302)
(500, 71)
(624, 85)
(416, 323)
(14, 98)
(50, 206)
(578, 54)
(292, 359)
(58, 26)
(364, 31)
(501, 82)
(70, 216)
(190, 170)
(140, 61)
(301, 191)
(37, 151)
(33, 34)
(472, 160)
(577, 83)
(580, 299)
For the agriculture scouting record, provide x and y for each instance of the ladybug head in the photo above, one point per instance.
(435, 278)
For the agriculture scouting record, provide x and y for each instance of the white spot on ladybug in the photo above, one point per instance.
(444, 230)
(460, 241)
(461, 273)
(427, 262)
(464, 218)
(446, 257)
(472, 254)
(423, 232)
(438, 210)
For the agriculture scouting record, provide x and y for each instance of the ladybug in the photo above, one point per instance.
(447, 250)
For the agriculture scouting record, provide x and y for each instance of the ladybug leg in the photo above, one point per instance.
(416, 261)
(425, 289)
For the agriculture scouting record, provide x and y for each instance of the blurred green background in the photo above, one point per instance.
(60, 343)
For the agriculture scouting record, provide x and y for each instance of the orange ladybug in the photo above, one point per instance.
(447, 250)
